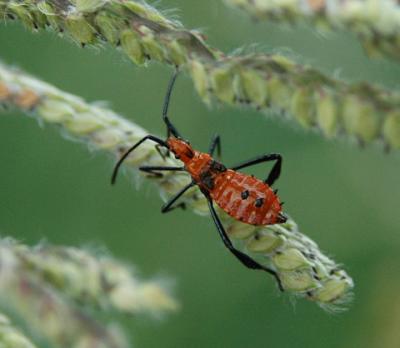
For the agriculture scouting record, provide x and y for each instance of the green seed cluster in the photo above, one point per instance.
(52, 318)
(137, 28)
(303, 269)
(375, 22)
(97, 280)
(314, 100)
(264, 81)
(46, 287)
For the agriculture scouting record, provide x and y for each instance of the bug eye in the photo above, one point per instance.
(177, 157)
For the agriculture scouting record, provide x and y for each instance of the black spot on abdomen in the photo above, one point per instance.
(259, 202)
(245, 194)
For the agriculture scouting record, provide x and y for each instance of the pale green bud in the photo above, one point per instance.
(80, 29)
(239, 230)
(146, 11)
(132, 297)
(302, 106)
(253, 85)
(131, 45)
(298, 280)
(290, 259)
(222, 80)
(83, 124)
(155, 16)
(200, 79)
(107, 138)
(176, 53)
(327, 114)
(56, 111)
(360, 119)
(151, 45)
(136, 7)
(110, 26)
(279, 93)
(332, 290)
(265, 242)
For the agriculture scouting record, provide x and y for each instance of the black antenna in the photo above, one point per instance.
(170, 127)
(127, 153)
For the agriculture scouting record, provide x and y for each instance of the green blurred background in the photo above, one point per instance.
(343, 197)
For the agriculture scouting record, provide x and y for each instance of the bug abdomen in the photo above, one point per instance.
(246, 198)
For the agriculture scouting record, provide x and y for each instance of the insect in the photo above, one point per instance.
(242, 196)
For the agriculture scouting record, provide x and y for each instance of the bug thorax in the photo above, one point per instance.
(181, 149)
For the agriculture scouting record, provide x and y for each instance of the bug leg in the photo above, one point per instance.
(170, 127)
(275, 171)
(243, 258)
(155, 170)
(122, 159)
(215, 144)
(167, 207)
(162, 154)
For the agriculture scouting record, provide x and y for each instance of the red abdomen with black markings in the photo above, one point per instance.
(246, 198)
(242, 196)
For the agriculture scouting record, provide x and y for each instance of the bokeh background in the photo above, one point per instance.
(344, 197)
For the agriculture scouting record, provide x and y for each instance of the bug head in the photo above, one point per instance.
(181, 149)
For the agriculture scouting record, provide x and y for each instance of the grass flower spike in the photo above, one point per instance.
(375, 22)
(94, 279)
(50, 290)
(264, 81)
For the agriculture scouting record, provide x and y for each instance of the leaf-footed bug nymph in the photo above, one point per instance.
(243, 197)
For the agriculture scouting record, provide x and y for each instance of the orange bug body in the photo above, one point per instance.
(242, 196)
